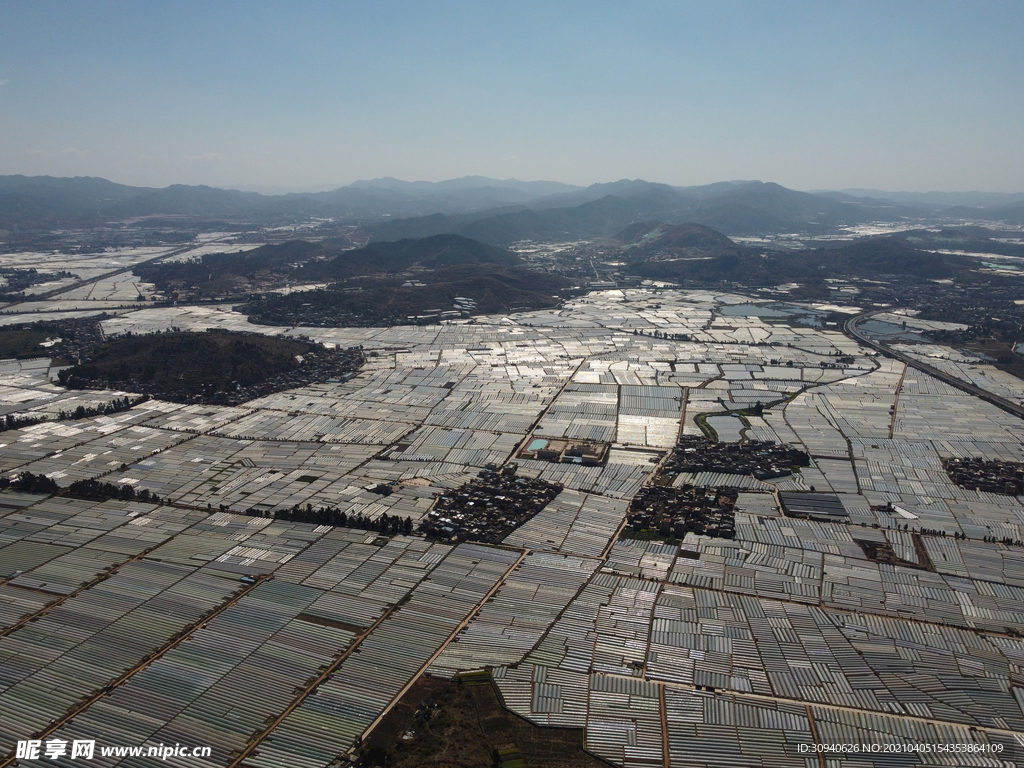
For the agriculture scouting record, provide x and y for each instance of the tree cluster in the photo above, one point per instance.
(90, 490)
(117, 405)
(95, 490)
(29, 482)
(385, 524)
(13, 421)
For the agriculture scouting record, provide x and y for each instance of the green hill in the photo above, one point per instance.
(699, 254)
(213, 367)
(384, 301)
(298, 261)
(651, 238)
(436, 252)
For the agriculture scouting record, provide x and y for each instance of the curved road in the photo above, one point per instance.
(851, 330)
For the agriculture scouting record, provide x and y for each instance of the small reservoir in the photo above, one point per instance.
(728, 428)
(801, 315)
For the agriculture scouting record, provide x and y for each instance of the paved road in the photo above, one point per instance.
(106, 275)
(851, 330)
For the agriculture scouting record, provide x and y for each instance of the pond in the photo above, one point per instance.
(728, 428)
(791, 312)
(882, 331)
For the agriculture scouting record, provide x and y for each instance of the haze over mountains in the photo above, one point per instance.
(493, 211)
(937, 200)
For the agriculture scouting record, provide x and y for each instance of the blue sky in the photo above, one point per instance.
(889, 95)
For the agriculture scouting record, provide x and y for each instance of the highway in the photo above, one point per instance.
(851, 330)
(106, 275)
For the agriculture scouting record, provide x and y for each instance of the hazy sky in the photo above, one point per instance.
(891, 95)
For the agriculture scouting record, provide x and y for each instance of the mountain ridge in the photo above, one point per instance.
(495, 211)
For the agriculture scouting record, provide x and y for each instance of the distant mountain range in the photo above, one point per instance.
(529, 188)
(493, 211)
(937, 200)
(602, 210)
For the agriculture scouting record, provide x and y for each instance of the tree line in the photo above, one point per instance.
(117, 405)
(385, 524)
(90, 490)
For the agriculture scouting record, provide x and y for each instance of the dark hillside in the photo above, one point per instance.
(29, 202)
(967, 238)
(227, 274)
(387, 301)
(436, 252)
(1011, 214)
(597, 218)
(178, 200)
(600, 218)
(872, 258)
(602, 210)
(683, 252)
(416, 226)
(756, 208)
(272, 266)
(213, 367)
(876, 257)
(668, 239)
(639, 230)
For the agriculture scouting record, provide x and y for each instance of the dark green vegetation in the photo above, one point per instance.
(462, 724)
(77, 335)
(299, 261)
(29, 482)
(380, 284)
(650, 238)
(117, 405)
(416, 280)
(387, 301)
(222, 274)
(872, 258)
(217, 367)
(15, 421)
(437, 252)
(23, 342)
(91, 490)
(384, 524)
(233, 274)
(97, 490)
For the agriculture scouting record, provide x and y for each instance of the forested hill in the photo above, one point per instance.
(297, 261)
